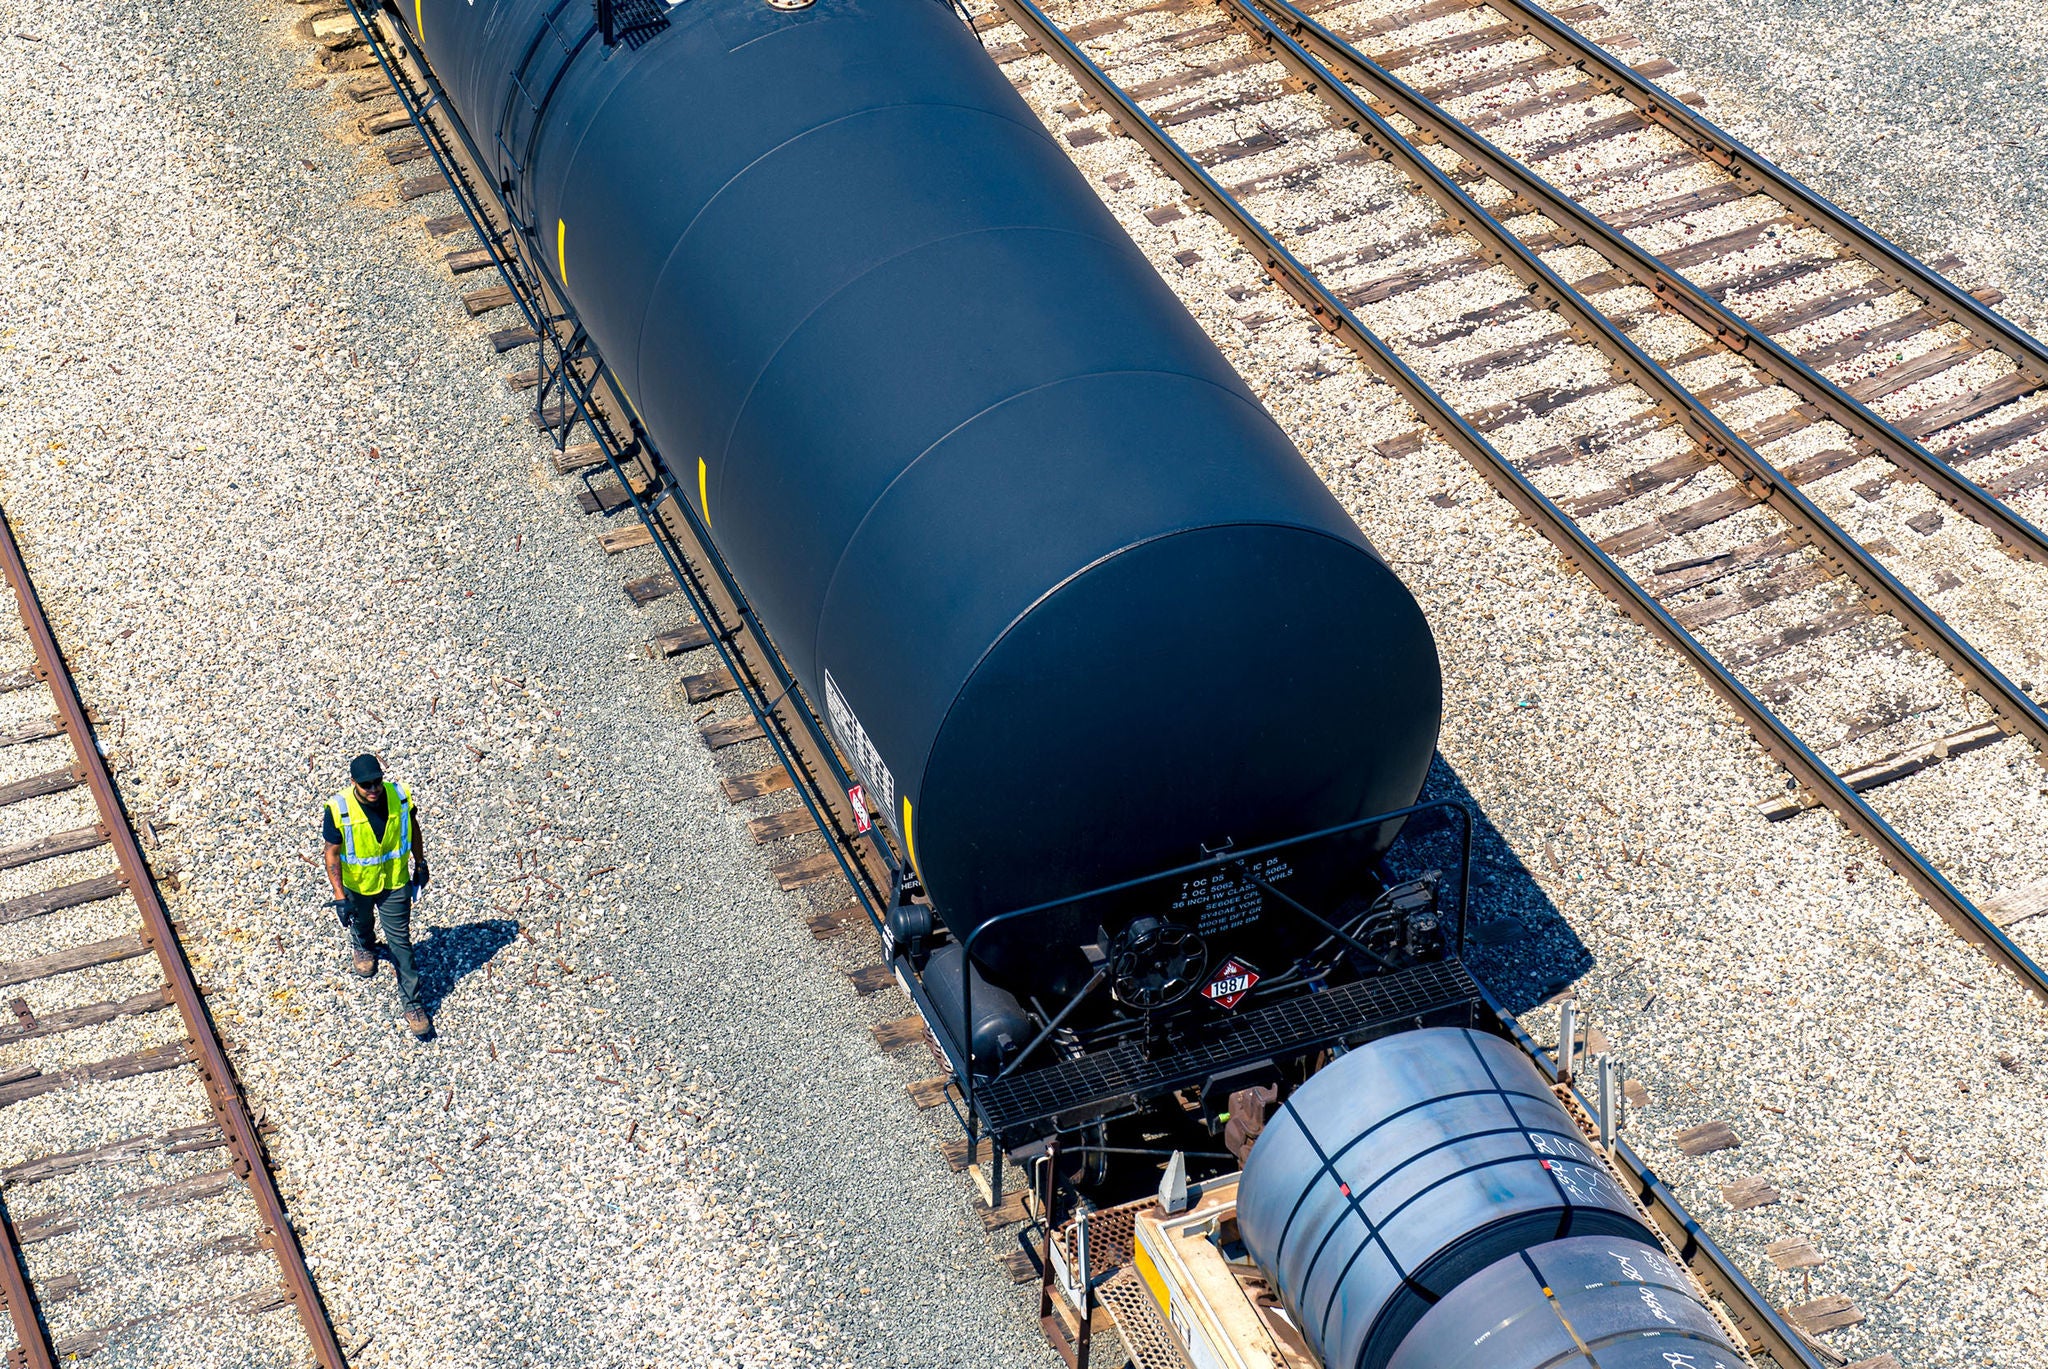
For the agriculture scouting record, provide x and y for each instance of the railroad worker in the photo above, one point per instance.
(376, 862)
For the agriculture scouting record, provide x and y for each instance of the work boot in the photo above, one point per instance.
(363, 962)
(416, 1022)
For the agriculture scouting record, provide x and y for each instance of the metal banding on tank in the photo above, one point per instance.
(1011, 518)
(1590, 1302)
(1404, 1168)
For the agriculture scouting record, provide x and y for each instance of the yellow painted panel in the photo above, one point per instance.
(910, 837)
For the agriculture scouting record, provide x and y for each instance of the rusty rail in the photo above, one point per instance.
(230, 1111)
(31, 1341)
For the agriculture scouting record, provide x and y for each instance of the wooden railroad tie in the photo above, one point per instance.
(803, 873)
(1706, 1138)
(825, 926)
(411, 151)
(898, 1033)
(56, 844)
(1828, 1313)
(790, 822)
(2013, 905)
(1015, 1207)
(609, 497)
(648, 588)
(755, 784)
(729, 732)
(1744, 1194)
(58, 899)
(466, 259)
(709, 685)
(75, 958)
(1795, 1252)
(88, 1015)
(505, 339)
(871, 979)
(38, 786)
(605, 498)
(419, 187)
(927, 1094)
(35, 1083)
(376, 125)
(954, 1148)
(686, 638)
(1020, 1265)
(520, 381)
(625, 539)
(489, 298)
(31, 731)
(578, 456)
(177, 1141)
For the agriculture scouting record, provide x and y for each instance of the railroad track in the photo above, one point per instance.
(1556, 371)
(137, 1208)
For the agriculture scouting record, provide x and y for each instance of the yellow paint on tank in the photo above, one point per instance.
(910, 837)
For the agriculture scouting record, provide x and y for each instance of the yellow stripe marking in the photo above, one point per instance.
(561, 242)
(704, 491)
(419, 22)
(1149, 1272)
(910, 837)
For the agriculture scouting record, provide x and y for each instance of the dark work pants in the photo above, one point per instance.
(393, 911)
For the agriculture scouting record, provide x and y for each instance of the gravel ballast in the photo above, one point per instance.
(283, 509)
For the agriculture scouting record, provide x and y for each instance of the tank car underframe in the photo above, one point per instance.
(1022, 1110)
(575, 380)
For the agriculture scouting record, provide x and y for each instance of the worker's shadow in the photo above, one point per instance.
(446, 955)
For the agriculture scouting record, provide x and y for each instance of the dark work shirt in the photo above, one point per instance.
(379, 813)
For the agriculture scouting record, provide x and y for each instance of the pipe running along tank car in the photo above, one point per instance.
(1073, 606)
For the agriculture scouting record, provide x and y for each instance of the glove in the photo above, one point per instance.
(420, 877)
(341, 910)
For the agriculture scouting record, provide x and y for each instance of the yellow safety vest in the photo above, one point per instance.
(370, 863)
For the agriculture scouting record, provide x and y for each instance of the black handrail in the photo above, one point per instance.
(1456, 807)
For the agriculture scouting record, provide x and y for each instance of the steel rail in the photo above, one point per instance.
(526, 281)
(1671, 287)
(2016, 709)
(1298, 281)
(1686, 124)
(31, 1337)
(230, 1111)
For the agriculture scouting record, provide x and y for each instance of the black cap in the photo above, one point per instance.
(364, 769)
